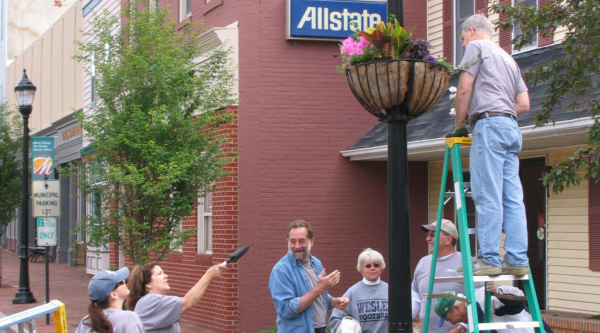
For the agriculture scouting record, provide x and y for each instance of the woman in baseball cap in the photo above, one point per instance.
(107, 292)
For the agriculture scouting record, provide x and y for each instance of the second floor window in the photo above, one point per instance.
(517, 30)
(205, 224)
(464, 9)
(185, 7)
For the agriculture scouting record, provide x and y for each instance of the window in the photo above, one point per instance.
(185, 9)
(594, 224)
(93, 81)
(94, 204)
(205, 224)
(464, 9)
(517, 30)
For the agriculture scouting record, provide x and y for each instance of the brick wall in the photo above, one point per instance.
(572, 325)
(415, 15)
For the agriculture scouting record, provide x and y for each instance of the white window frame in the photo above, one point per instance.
(184, 11)
(534, 45)
(204, 224)
(93, 96)
(456, 27)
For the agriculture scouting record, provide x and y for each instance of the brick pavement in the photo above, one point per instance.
(67, 284)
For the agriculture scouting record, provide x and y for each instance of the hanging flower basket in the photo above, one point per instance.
(415, 85)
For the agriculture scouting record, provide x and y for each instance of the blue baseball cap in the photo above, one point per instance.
(104, 282)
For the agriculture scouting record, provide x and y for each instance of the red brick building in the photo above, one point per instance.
(295, 115)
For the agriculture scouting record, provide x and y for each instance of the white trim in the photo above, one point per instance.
(437, 145)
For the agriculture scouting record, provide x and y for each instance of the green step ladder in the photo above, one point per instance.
(453, 152)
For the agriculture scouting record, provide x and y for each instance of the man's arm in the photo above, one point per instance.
(463, 95)
(463, 99)
(324, 283)
(521, 102)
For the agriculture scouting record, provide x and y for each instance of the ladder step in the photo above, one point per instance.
(482, 278)
(507, 325)
(472, 231)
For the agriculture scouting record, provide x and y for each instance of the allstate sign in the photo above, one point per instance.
(331, 20)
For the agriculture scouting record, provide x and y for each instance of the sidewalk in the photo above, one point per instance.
(67, 284)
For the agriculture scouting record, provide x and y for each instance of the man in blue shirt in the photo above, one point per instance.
(299, 285)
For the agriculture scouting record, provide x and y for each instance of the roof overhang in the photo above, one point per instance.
(561, 134)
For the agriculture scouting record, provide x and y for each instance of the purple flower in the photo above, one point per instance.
(431, 58)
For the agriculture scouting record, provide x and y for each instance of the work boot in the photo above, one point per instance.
(509, 269)
(482, 267)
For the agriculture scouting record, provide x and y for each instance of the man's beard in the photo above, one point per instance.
(303, 255)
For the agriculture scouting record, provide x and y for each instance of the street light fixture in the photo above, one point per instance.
(25, 91)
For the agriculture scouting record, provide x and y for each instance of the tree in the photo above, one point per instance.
(154, 132)
(571, 76)
(11, 159)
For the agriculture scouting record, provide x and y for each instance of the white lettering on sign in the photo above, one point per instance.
(321, 19)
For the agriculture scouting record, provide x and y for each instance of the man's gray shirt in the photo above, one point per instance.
(122, 321)
(497, 79)
(446, 266)
(319, 309)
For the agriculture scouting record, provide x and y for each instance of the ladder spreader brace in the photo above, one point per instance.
(453, 152)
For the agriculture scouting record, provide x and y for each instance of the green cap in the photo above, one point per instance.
(443, 305)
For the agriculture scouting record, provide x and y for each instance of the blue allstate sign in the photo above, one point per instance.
(331, 20)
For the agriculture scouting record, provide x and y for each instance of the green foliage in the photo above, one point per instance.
(389, 41)
(571, 76)
(11, 159)
(154, 131)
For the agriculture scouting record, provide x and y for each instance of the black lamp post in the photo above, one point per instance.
(25, 92)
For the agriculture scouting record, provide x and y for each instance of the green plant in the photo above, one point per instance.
(11, 142)
(155, 135)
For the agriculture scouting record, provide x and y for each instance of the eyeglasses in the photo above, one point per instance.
(301, 242)
(121, 283)
(432, 234)
(462, 39)
(368, 266)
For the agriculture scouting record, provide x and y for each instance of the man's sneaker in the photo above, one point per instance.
(514, 270)
(482, 267)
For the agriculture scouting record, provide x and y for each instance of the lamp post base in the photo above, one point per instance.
(23, 297)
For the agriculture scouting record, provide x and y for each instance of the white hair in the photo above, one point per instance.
(371, 255)
(480, 24)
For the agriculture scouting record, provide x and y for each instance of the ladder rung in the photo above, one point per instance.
(472, 231)
(482, 278)
(507, 325)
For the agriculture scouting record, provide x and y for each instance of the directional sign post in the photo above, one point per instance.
(46, 198)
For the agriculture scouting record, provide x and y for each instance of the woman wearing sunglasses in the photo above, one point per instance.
(107, 291)
(368, 298)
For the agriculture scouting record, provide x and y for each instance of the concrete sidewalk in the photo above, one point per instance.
(67, 284)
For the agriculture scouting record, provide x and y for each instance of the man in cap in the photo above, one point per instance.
(504, 309)
(447, 261)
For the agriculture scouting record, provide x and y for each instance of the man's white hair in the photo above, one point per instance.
(480, 24)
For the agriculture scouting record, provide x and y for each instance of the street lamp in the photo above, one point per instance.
(25, 92)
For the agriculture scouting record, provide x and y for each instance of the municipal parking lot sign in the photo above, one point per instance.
(46, 231)
(46, 198)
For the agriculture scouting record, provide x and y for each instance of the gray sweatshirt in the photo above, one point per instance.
(368, 304)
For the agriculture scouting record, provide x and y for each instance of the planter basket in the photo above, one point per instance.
(414, 85)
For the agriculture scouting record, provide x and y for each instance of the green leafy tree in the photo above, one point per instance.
(11, 159)
(156, 144)
(571, 76)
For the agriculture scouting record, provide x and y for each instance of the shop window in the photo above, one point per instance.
(594, 224)
(205, 224)
(517, 29)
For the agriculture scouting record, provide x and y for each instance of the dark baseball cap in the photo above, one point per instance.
(104, 282)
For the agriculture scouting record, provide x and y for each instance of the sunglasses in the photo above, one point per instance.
(368, 266)
(121, 283)
(432, 234)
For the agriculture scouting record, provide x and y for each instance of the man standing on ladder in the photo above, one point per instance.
(491, 93)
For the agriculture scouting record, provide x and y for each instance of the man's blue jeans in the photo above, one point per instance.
(497, 190)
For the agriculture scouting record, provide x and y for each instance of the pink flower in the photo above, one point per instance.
(351, 47)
